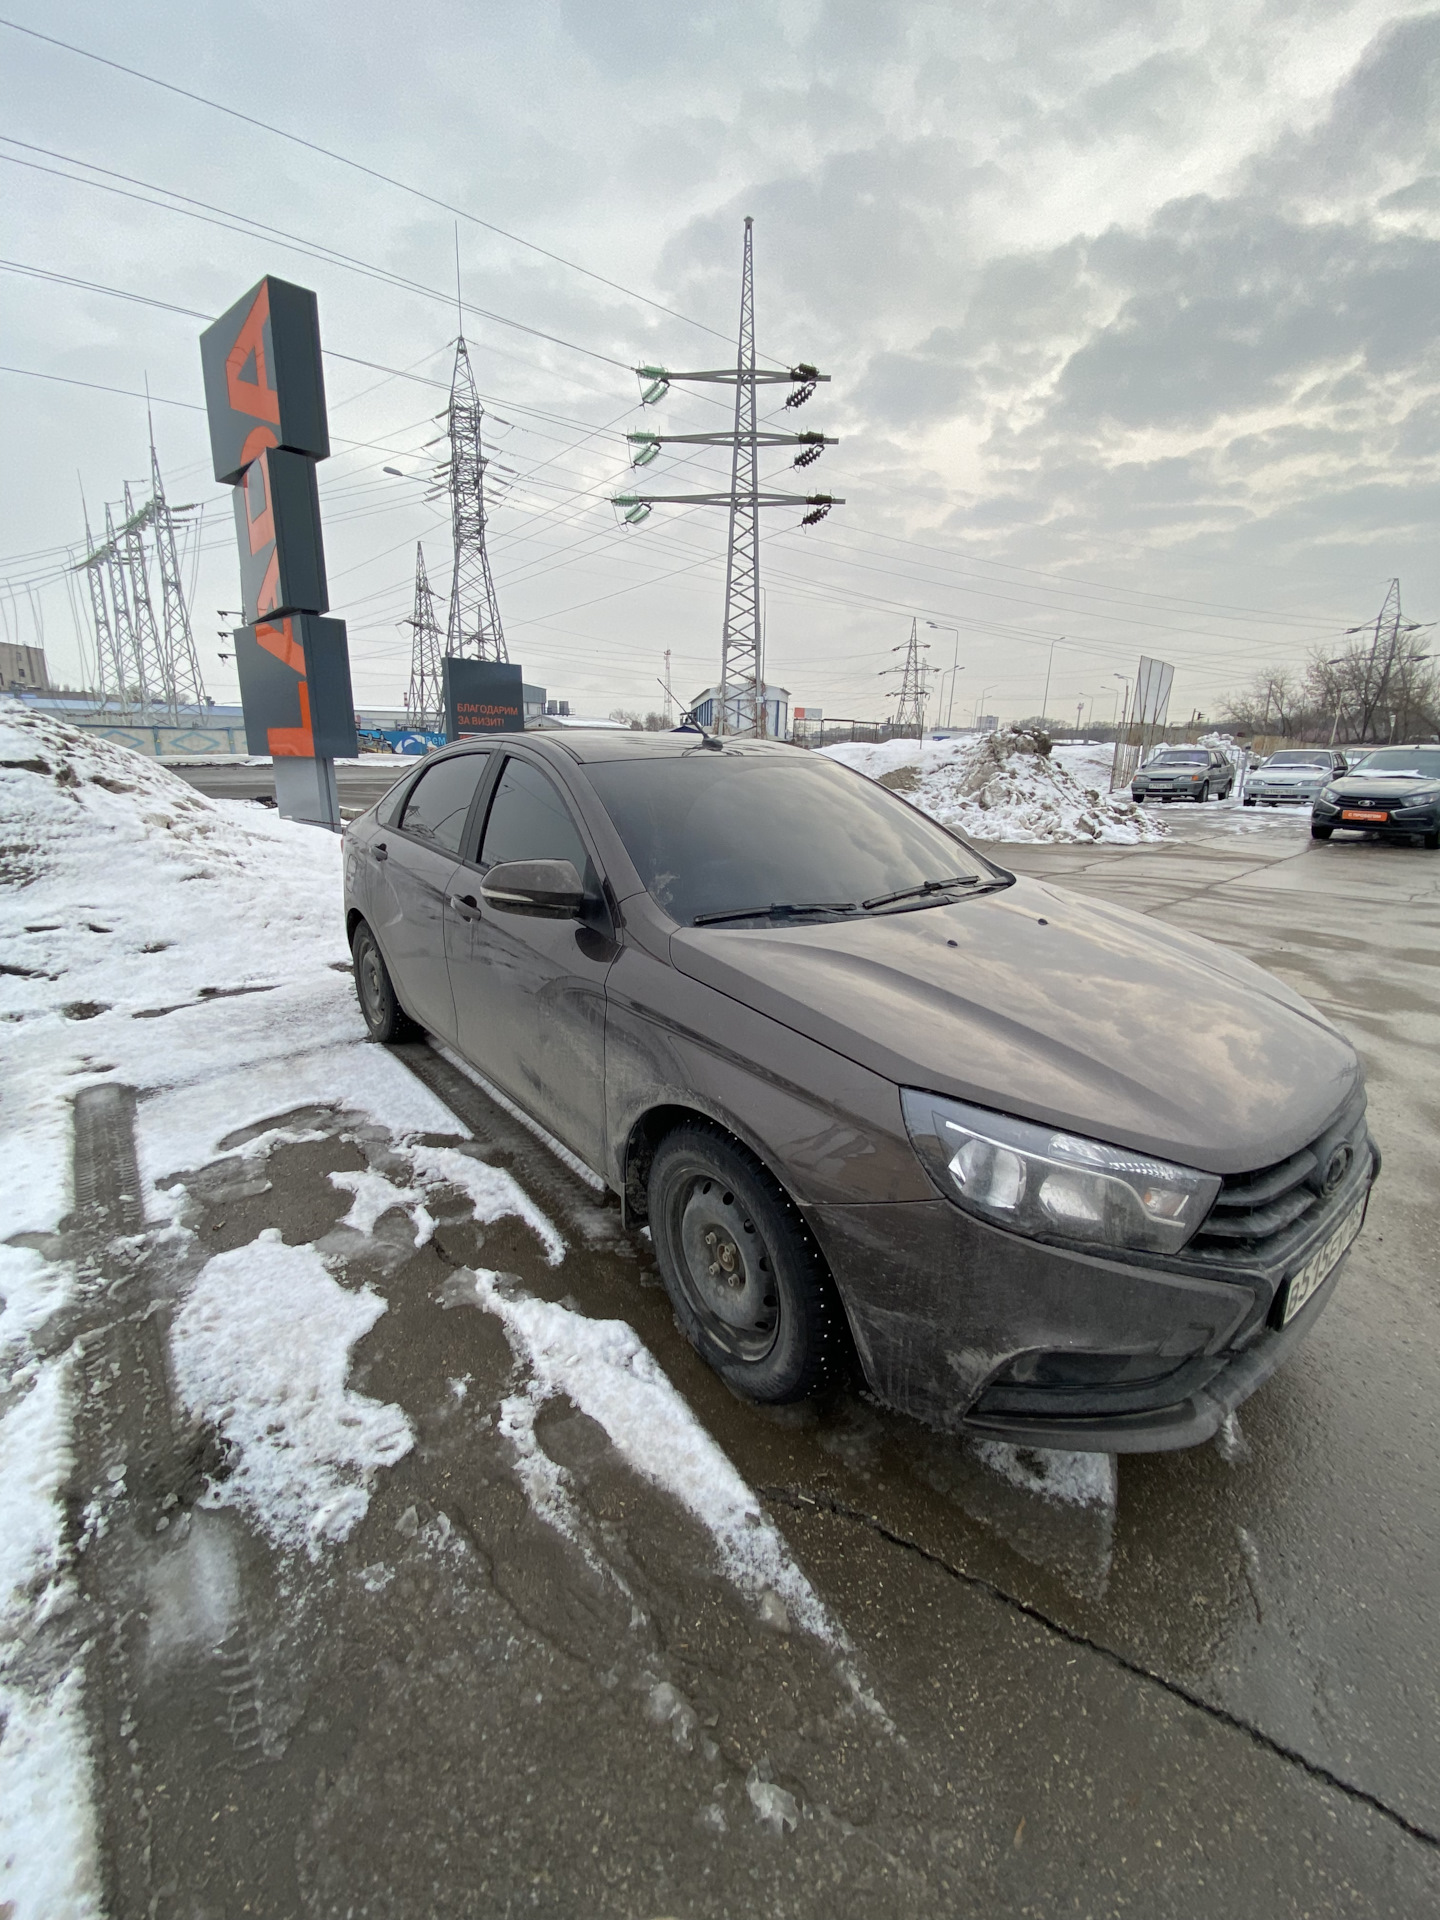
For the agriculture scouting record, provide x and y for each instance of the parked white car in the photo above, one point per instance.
(1293, 776)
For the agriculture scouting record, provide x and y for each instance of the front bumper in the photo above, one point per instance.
(1401, 822)
(1179, 790)
(1278, 796)
(947, 1310)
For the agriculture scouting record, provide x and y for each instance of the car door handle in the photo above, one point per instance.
(466, 905)
(382, 852)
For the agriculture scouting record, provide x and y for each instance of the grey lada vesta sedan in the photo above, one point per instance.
(1049, 1170)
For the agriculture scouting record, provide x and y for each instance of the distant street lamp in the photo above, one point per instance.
(1049, 662)
(954, 667)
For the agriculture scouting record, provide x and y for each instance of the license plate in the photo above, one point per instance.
(1361, 813)
(1318, 1268)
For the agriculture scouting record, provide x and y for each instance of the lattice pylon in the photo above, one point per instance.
(910, 707)
(742, 698)
(124, 626)
(157, 692)
(180, 675)
(110, 665)
(473, 630)
(423, 701)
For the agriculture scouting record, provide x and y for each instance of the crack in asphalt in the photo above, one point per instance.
(799, 1500)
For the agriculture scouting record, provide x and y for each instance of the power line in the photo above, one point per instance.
(230, 222)
(344, 160)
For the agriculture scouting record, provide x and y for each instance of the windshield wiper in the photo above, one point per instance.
(782, 910)
(925, 887)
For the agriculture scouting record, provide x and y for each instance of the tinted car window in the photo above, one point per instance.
(1422, 760)
(529, 821)
(440, 800)
(710, 834)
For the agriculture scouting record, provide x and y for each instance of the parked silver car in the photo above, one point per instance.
(1184, 773)
(1293, 776)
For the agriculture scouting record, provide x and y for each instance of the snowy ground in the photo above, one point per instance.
(996, 787)
(192, 950)
(370, 1540)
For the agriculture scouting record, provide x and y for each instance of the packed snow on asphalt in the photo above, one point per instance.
(192, 950)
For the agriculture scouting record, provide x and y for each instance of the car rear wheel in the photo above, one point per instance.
(1320, 833)
(748, 1284)
(386, 1019)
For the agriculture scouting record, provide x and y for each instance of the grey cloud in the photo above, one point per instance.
(1384, 114)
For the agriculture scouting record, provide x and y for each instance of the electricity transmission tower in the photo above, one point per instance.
(423, 701)
(111, 681)
(142, 661)
(181, 682)
(474, 629)
(742, 669)
(115, 574)
(910, 707)
(1386, 681)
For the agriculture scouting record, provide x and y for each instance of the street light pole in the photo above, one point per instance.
(955, 668)
(1049, 662)
(984, 695)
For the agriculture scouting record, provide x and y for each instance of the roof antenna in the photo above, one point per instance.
(689, 723)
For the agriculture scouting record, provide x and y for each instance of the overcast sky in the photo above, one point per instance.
(1129, 310)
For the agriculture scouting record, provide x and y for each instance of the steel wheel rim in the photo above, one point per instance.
(372, 990)
(724, 1267)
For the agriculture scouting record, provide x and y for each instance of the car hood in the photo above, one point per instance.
(1391, 782)
(1070, 1012)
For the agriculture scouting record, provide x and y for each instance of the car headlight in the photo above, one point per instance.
(1052, 1185)
(1329, 793)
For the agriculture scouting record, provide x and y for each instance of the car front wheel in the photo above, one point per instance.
(1248, 801)
(748, 1284)
(386, 1019)
(1320, 833)
(1204, 794)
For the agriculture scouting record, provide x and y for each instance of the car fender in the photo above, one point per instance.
(826, 1128)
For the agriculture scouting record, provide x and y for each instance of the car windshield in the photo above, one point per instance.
(713, 833)
(1420, 760)
(1298, 760)
(1179, 760)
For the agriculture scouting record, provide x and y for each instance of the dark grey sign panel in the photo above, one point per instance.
(264, 382)
(277, 528)
(482, 696)
(295, 688)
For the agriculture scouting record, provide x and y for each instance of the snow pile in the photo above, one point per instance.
(1001, 786)
(261, 1350)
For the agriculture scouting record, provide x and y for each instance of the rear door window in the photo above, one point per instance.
(439, 802)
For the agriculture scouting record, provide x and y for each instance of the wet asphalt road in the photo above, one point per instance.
(360, 782)
(1217, 1695)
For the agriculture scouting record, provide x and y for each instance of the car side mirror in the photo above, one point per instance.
(549, 889)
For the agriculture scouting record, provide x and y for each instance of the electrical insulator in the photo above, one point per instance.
(815, 516)
(800, 395)
(808, 457)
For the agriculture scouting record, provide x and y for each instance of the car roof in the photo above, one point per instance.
(604, 744)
